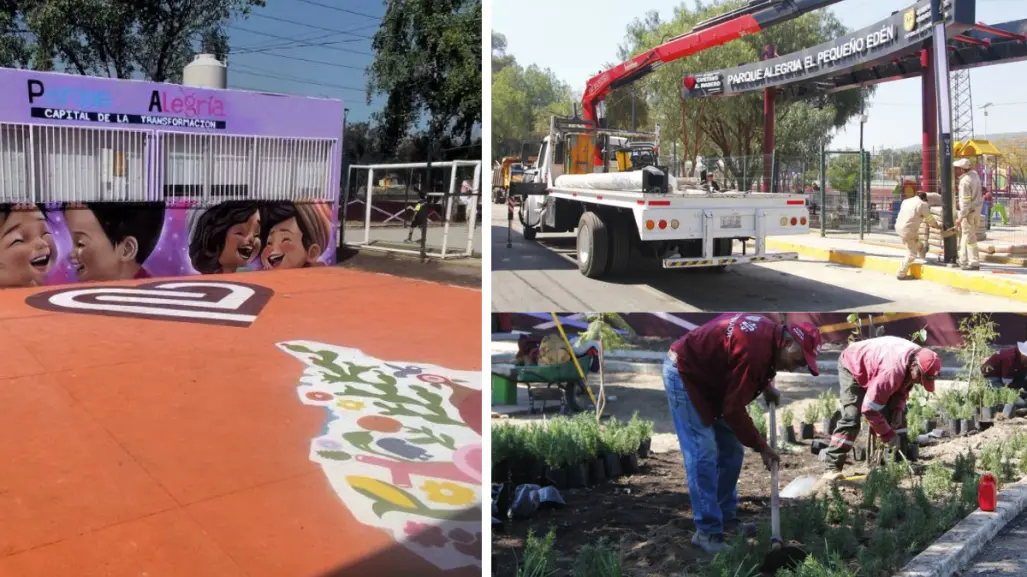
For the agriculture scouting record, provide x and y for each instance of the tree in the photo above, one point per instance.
(522, 102)
(500, 59)
(733, 127)
(120, 38)
(428, 62)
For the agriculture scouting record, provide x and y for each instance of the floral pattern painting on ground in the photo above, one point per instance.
(401, 446)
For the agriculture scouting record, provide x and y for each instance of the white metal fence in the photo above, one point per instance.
(381, 200)
(43, 163)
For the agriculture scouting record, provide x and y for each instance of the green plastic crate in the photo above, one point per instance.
(504, 390)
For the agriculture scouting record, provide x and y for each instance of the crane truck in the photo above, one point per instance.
(610, 187)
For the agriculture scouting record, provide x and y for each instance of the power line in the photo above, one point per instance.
(314, 26)
(301, 42)
(327, 47)
(298, 80)
(322, 62)
(312, 3)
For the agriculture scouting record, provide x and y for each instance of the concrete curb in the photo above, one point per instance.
(954, 278)
(956, 548)
(995, 258)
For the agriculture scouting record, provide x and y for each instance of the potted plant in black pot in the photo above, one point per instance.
(587, 431)
(930, 414)
(503, 441)
(644, 432)
(608, 448)
(627, 447)
(786, 422)
(809, 416)
(1008, 398)
(989, 398)
(559, 452)
(967, 425)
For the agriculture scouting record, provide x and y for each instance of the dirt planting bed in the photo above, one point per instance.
(647, 516)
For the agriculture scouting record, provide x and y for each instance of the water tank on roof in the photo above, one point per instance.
(205, 71)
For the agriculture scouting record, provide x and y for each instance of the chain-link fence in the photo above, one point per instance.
(389, 206)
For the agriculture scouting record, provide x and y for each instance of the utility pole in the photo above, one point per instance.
(345, 187)
(941, 76)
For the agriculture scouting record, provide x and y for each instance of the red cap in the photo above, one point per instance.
(808, 336)
(930, 368)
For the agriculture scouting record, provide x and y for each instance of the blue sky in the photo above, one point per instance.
(274, 47)
(552, 35)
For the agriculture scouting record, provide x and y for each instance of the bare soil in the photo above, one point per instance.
(649, 514)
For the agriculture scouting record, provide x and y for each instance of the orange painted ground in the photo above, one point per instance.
(157, 448)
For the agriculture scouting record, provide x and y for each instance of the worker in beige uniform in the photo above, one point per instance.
(969, 217)
(913, 212)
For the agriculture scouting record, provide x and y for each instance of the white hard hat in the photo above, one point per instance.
(962, 163)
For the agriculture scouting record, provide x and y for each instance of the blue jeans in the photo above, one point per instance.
(713, 457)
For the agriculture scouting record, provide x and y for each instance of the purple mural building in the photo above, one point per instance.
(105, 179)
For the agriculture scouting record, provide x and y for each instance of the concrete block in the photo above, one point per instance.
(955, 549)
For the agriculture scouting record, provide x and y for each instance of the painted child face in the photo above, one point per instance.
(242, 244)
(285, 247)
(27, 249)
(93, 255)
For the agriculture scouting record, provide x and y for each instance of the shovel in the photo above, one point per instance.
(781, 556)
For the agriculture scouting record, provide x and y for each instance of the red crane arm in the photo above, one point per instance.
(758, 15)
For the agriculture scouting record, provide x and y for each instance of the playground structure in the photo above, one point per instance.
(381, 199)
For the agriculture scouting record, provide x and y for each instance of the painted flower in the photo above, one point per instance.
(426, 535)
(320, 396)
(433, 379)
(330, 444)
(448, 493)
(350, 404)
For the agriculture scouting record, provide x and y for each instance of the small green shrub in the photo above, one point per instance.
(811, 414)
(787, 417)
(539, 556)
(837, 508)
(598, 560)
(828, 402)
(758, 418)
(937, 480)
(929, 412)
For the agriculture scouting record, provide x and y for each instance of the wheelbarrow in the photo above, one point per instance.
(556, 382)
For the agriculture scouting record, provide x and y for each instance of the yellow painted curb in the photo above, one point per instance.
(995, 258)
(954, 278)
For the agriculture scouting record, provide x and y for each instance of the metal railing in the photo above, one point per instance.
(382, 200)
(47, 163)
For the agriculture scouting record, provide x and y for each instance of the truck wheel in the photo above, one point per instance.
(497, 196)
(529, 233)
(593, 245)
(722, 247)
(620, 245)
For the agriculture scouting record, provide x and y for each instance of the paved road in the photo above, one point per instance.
(543, 275)
(1004, 556)
(396, 235)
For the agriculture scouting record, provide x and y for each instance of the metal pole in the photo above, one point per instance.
(427, 202)
(345, 189)
(859, 198)
(941, 80)
(823, 189)
(633, 128)
(473, 209)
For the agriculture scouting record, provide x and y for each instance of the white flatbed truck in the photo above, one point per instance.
(645, 211)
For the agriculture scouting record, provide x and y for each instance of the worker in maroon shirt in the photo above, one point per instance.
(1007, 368)
(711, 375)
(876, 377)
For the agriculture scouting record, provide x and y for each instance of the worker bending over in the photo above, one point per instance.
(913, 212)
(711, 375)
(1008, 368)
(969, 217)
(876, 376)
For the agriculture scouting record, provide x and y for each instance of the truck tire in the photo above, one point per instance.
(575, 396)
(722, 247)
(593, 245)
(620, 245)
(529, 233)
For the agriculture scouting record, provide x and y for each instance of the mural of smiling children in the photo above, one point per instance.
(224, 237)
(27, 247)
(295, 235)
(111, 241)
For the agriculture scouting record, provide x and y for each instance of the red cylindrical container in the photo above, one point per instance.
(987, 493)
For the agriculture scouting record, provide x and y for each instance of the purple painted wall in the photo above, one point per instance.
(26, 96)
(107, 241)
